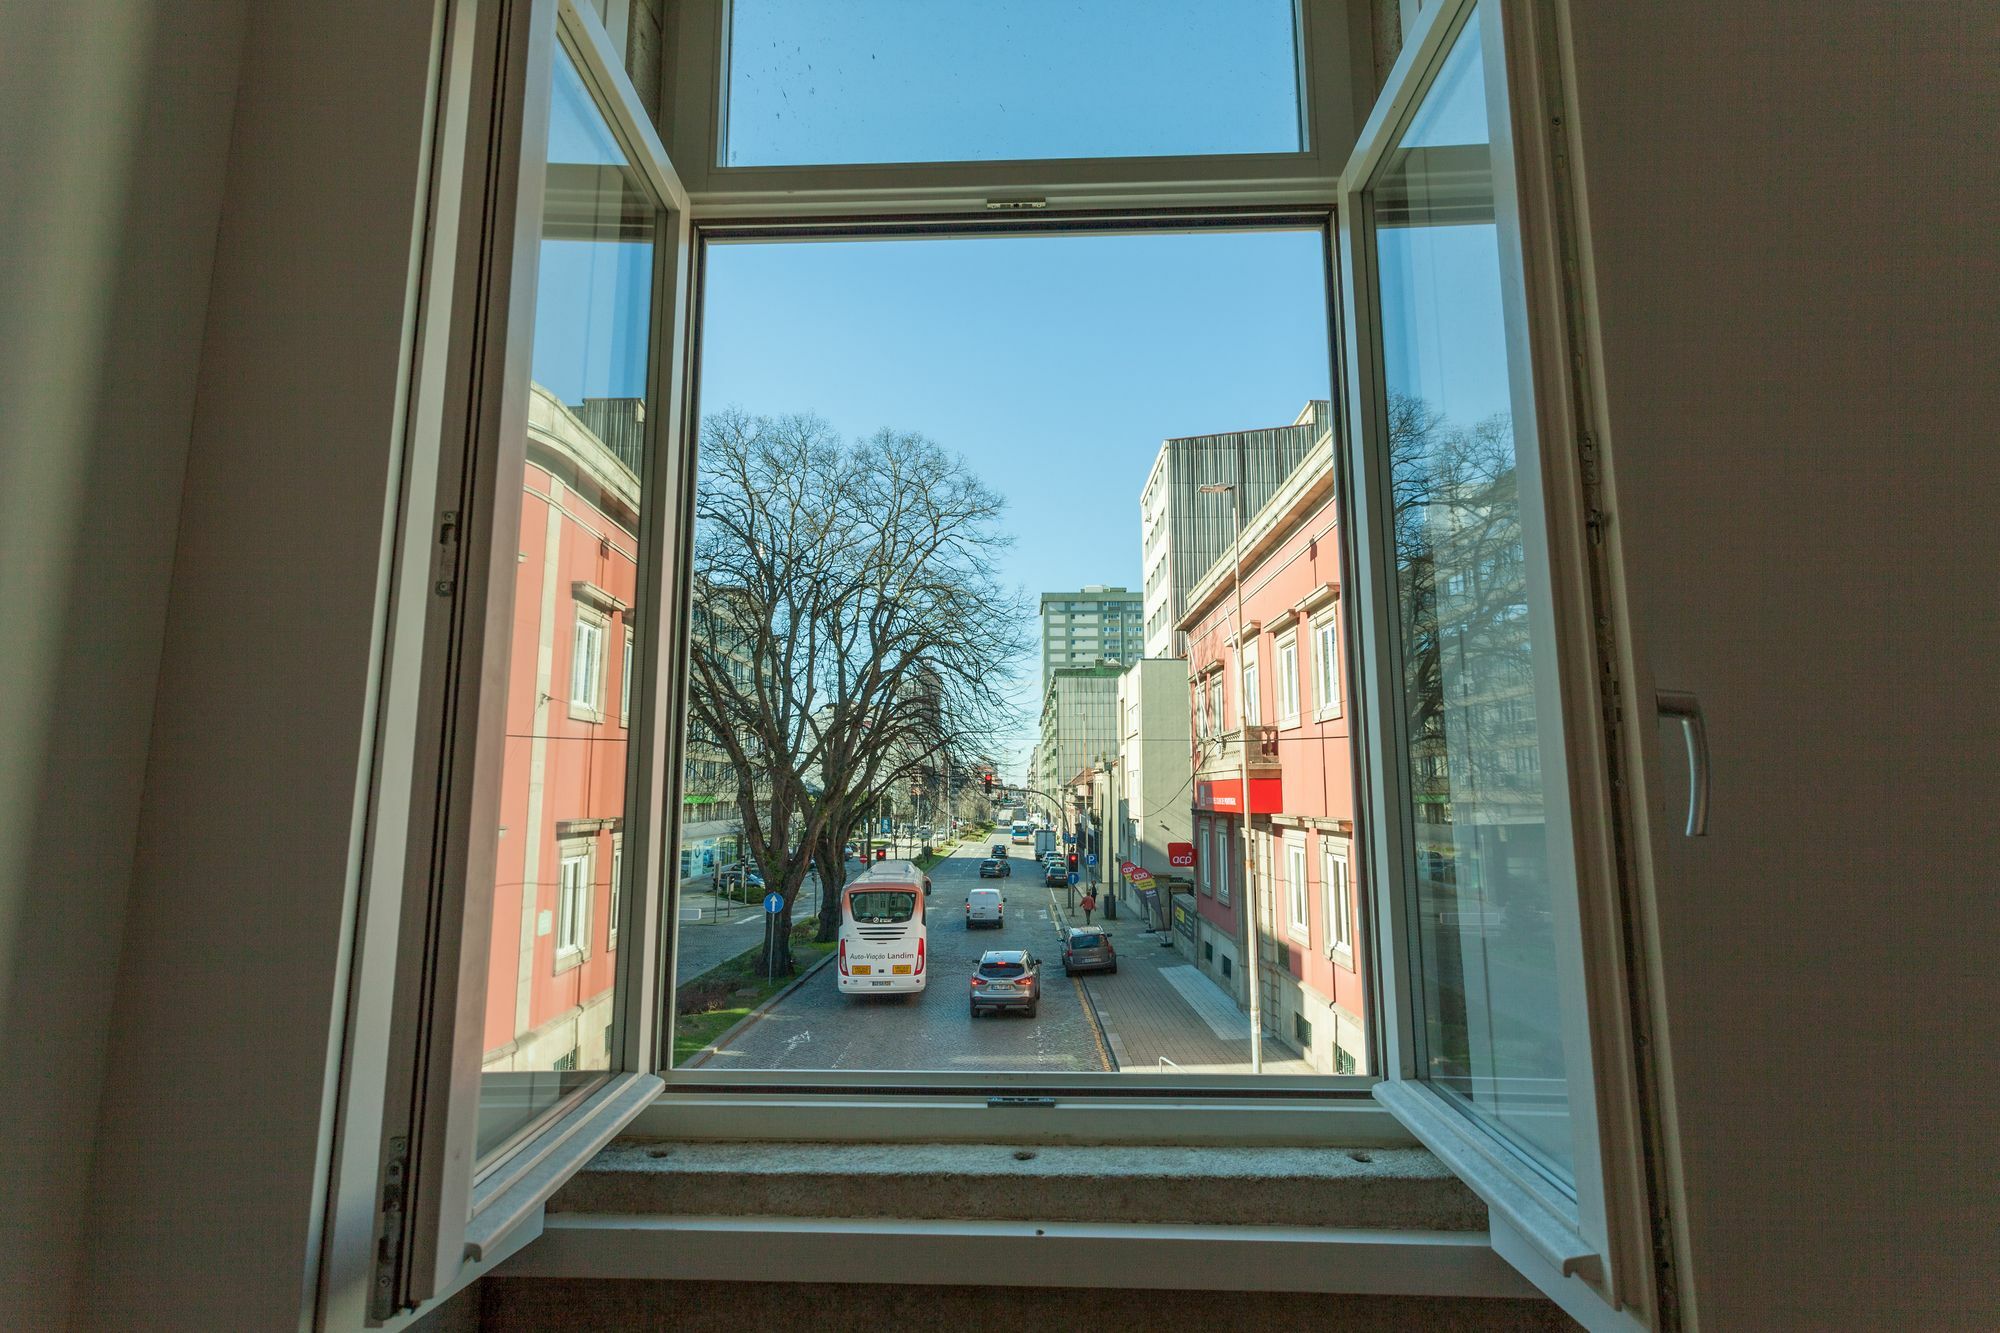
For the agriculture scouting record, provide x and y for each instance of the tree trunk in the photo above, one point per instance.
(832, 863)
(777, 956)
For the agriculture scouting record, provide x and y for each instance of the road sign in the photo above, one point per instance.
(774, 902)
(1072, 879)
(1092, 859)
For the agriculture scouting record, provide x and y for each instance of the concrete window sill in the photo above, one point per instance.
(1402, 1188)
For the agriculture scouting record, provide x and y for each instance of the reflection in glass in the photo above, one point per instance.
(1481, 875)
(554, 953)
(825, 81)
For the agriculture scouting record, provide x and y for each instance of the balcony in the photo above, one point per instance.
(1220, 753)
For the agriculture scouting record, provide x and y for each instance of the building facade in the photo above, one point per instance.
(1094, 626)
(1079, 725)
(1292, 718)
(1182, 532)
(1154, 756)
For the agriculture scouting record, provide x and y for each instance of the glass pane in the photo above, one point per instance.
(960, 596)
(1481, 876)
(828, 81)
(554, 953)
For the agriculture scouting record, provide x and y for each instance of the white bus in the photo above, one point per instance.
(882, 931)
(1023, 831)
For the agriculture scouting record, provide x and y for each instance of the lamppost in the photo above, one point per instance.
(1253, 975)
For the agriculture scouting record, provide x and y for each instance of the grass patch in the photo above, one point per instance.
(720, 998)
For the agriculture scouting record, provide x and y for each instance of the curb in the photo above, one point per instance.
(701, 1056)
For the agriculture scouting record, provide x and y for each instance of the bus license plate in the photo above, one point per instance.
(900, 969)
(861, 969)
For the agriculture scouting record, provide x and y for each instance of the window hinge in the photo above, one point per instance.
(445, 577)
(383, 1296)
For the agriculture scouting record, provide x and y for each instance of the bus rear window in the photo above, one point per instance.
(878, 906)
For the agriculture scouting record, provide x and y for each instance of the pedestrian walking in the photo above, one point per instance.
(1089, 906)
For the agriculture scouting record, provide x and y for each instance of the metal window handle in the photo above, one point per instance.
(1686, 709)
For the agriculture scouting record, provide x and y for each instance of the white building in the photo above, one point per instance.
(1094, 626)
(1183, 532)
(1155, 760)
(1079, 724)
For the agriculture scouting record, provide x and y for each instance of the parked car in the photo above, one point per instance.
(1054, 874)
(990, 869)
(1007, 979)
(1088, 949)
(999, 851)
(735, 873)
(985, 907)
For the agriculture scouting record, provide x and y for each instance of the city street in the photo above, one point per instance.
(816, 1027)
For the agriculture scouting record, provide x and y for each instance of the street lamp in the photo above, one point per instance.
(1254, 931)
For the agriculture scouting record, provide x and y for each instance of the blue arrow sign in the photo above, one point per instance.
(774, 902)
(1072, 879)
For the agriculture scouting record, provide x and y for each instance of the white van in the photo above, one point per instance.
(984, 907)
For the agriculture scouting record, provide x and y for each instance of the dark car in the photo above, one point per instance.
(733, 874)
(1007, 979)
(999, 851)
(1053, 873)
(1088, 949)
(995, 870)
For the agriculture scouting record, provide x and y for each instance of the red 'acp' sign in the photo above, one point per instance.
(1180, 855)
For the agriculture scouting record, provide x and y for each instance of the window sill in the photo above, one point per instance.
(579, 713)
(1235, 1218)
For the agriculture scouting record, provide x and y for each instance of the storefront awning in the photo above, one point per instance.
(1225, 795)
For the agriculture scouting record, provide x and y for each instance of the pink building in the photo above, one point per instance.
(562, 801)
(1301, 798)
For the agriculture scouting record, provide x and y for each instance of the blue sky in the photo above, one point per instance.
(820, 81)
(1053, 365)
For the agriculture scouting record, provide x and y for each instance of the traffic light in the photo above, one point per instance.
(1072, 860)
(987, 780)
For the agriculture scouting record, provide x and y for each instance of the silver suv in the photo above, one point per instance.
(1007, 979)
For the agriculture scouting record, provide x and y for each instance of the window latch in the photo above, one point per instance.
(1003, 1103)
(445, 573)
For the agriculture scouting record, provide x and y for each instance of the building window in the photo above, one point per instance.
(1339, 896)
(1204, 853)
(1225, 965)
(1343, 1060)
(1225, 845)
(1297, 919)
(1208, 951)
(1302, 1032)
(1326, 664)
(1288, 681)
(572, 907)
(617, 878)
(625, 685)
(1252, 710)
(586, 667)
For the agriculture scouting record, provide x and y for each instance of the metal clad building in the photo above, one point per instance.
(1183, 532)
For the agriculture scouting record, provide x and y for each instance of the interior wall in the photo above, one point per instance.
(210, 1146)
(1791, 217)
(114, 136)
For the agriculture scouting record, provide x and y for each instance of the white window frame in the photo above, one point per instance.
(1590, 1245)
(625, 684)
(1298, 889)
(1326, 663)
(617, 890)
(1337, 889)
(574, 892)
(1061, 190)
(589, 633)
(1250, 708)
(1286, 649)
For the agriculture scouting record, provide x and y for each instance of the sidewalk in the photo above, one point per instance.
(1161, 1006)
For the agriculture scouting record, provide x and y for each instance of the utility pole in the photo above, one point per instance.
(1253, 932)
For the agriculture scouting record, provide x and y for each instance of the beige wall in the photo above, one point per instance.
(1791, 211)
(114, 135)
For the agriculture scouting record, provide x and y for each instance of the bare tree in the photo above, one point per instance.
(849, 630)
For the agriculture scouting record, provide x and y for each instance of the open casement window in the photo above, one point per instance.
(1500, 934)
(541, 531)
